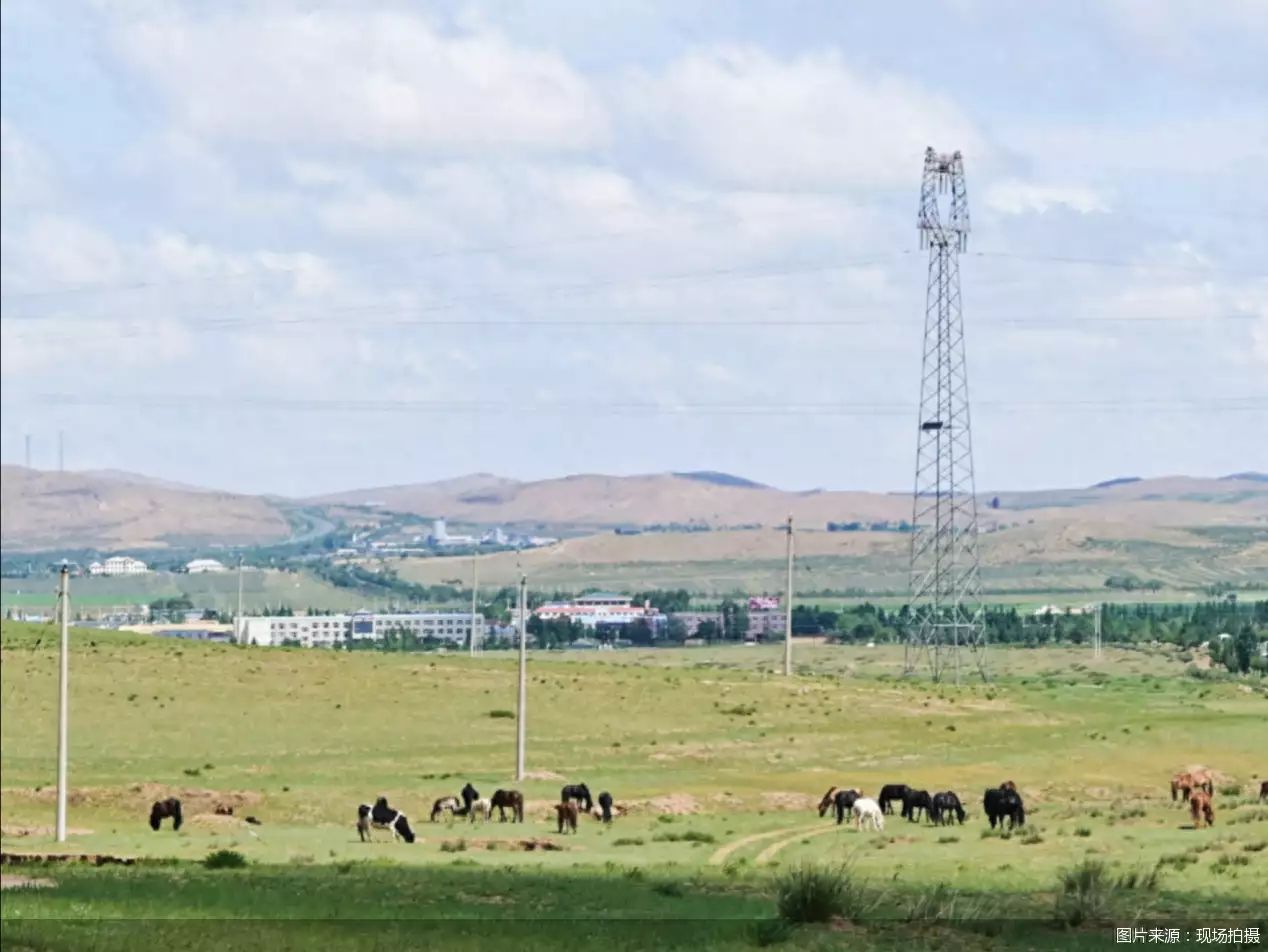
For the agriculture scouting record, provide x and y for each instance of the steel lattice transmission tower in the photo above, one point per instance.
(946, 584)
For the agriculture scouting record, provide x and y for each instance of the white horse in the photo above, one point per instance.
(481, 809)
(867, 810)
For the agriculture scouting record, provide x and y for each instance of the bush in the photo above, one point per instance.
(1231, 790)
(686, 836)
(224, 859)
(502, 712)
(942, 904)
(818, 894)
(1088, 891)
(669, 887)
(1084, 892)
(740, 710)
(1255, 847)
(628, 841)
(1031, 837)
(1082, 831)
(770, 932)
(453, 846)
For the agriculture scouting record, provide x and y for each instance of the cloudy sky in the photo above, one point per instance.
(300, 247)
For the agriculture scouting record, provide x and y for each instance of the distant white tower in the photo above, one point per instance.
(438, 531)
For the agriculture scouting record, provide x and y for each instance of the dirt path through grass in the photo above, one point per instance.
(721, 855)
(766, 855)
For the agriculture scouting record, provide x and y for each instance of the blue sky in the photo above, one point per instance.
(299, 247)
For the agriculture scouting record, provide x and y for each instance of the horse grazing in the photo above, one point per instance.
(1186, 781)
(605, 804)
(1001, 804)
(843, 801)
(1200, 809)
(826, 803)
(1263, 790)
(162, 810)
(481, 810)
(505, 800)
(891, 792)
(918, 800)
(868, 811)
(382, 817)
(567, 815)
(947, 807)
(452, 804)
(579, 792)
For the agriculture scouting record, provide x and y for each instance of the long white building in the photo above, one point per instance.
(334, 631)
(118, 565)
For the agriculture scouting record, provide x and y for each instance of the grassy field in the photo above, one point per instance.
(210, 590)
(717, 761)
(1021, 561)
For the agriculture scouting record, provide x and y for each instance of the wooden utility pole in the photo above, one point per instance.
(1096, 633)
(63, 701)
(239, 631)
(788, 607)
(522, 711)
(475, 581)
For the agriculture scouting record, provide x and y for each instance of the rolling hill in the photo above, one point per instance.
(44, 510)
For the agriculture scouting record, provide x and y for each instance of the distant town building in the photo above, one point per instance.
(440, 536)
(597, 608)
(198, 566)
(334, 631)
(763, 603)
(118, 565)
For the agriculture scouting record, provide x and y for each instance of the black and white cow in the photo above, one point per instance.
(382, 817)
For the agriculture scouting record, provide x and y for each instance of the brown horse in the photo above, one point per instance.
(1263, 790)
(567, 814)
(505, 800)
(1201, 809)
(1185, 782)
(826, 803)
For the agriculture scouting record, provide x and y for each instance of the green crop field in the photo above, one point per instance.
(717, 761)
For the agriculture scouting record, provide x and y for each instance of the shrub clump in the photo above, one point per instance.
(224, 859)
(819, 894)
(628, 841)
(686, 836)
(502, 712)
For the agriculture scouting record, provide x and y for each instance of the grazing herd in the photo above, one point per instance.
(941, 809)
(574, 799)
(1194, 787)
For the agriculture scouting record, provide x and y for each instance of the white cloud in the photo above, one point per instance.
(1014, 197)
(356, 79)
(808, 122)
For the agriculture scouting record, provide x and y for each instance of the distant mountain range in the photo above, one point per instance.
(118, 510)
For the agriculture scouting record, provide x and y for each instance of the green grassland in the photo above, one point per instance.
(717, 759)
(218, 591)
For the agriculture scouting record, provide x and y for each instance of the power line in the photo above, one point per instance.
(173, 401)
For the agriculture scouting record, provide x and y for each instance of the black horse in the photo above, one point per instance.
(1000, 804)
(843, 801)
(579, 792)
(163, 809)
(605, 804)
(383, 817)
(505, 800)
(946, 808)
(469, 796)
(891, 792)
(915, 801)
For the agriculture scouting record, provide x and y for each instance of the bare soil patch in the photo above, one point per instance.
(94, 859)
(41, 831)
(673, 804)
(784, 800)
